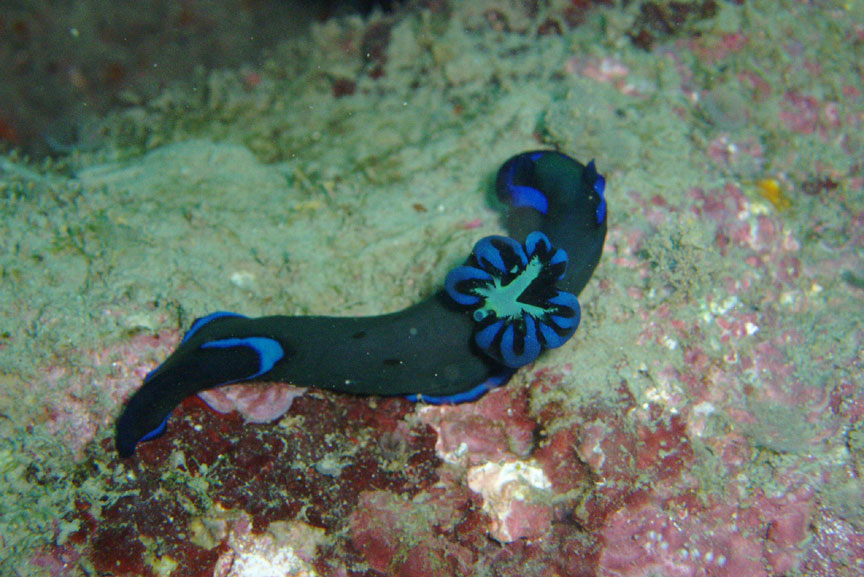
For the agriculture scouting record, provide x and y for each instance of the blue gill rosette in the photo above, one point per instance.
(510, 290)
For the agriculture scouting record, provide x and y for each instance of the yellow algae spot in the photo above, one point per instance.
(307, 206)
(162, 566)
(769, 189)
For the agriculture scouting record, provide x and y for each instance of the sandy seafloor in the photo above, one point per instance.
(706, 420)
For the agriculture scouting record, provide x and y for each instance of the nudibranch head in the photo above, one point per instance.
(598, 183)
(511, 291)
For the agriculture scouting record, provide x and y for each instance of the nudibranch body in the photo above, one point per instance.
(497, 312)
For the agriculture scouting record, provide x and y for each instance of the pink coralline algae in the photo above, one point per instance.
(117, 369)
(516, 498)
(491, 438)
(284, 549)
(396, 536)
(620, 457)
(607, 70)
(258, 404)
(739, 397)
(494, 428)
(721, 540)
(837, 549)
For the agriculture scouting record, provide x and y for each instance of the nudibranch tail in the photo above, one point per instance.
(511, 292)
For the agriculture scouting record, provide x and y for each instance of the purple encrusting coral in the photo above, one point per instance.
(706, 419)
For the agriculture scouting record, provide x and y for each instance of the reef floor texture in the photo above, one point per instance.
(706, 420)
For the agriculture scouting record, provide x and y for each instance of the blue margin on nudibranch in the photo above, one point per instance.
(472, 394)
(206, 320)
(269, 351)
